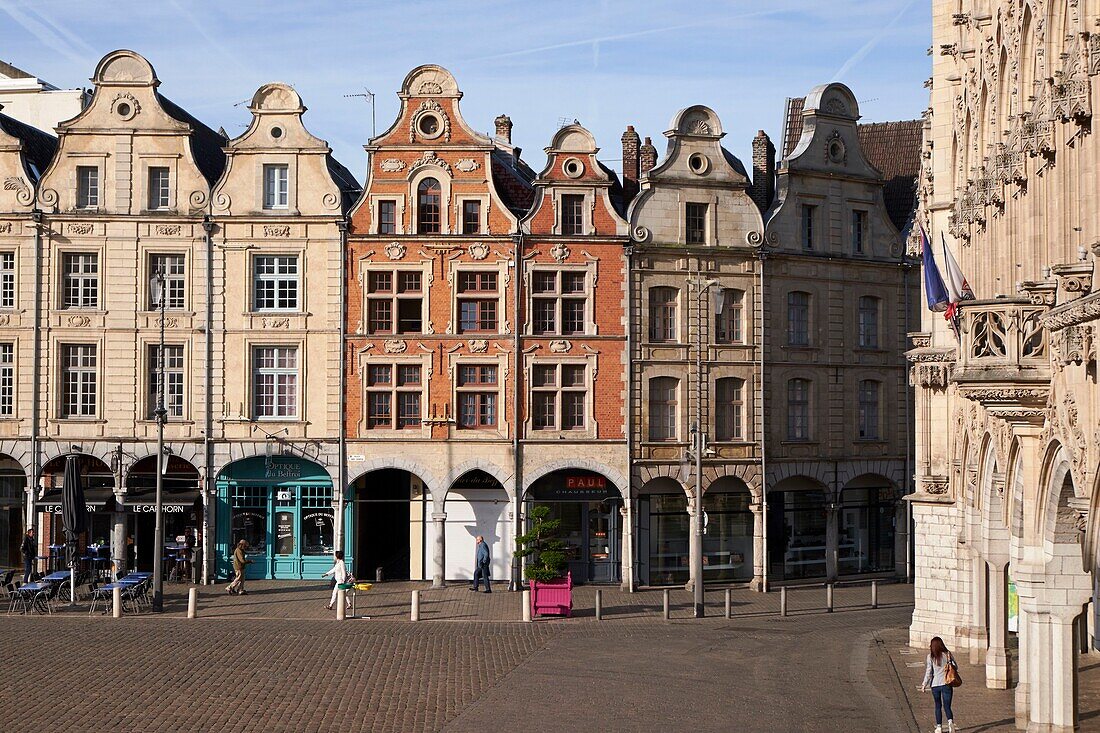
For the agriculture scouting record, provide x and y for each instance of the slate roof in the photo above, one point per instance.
(512, 179)
(892, 147)
(38, 146)
(206, 144)
(345, 181)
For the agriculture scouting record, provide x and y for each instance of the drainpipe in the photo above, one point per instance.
(208, 439)
(517, 424)
(342, 449)
(32, 485)
(761, 256)
(629, 421)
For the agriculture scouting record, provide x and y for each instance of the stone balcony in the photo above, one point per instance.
(1003, 354)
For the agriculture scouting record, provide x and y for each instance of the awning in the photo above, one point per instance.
(99, 499)
(172, 502)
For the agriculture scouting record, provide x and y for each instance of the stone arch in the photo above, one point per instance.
(833, 99)
(813, 470)
(891, 471)
(277, 97)
(190, 452)
(429, 479)
(1060, 518)
(124, 67)
(644, 474)
(239, 451)
(746, 474)
(698, 120)
(18, 451)
(994, 531)
(614, 476)
(96, 448)
(574, 139)
(507, 479)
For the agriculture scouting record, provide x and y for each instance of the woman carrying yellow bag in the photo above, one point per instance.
(941, 673)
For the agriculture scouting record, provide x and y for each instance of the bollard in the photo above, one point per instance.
(415, 615)
(192, 602)
(599, 605)
(666, 605)
(874, 594)
(729, 603)
(116, 601)
(783, 601)
(829, 597)
(526, 606)
(341, 604)
(378, 575)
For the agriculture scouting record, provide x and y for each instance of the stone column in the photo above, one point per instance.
(759, 546)
(626, 513)
(118, 541)
(831, 540)
(979, 639)
(1021, 697)
(1039, 672)
(1063, 670)
(996, 658)
(439, 523)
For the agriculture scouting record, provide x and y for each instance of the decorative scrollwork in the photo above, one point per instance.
(197, 199)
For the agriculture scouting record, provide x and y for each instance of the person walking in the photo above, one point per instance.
(240, 562)
(29, 549)
(935, 674)
(339, 573)
(482, 563)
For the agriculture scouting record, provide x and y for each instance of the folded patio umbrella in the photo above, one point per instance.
(74, 512)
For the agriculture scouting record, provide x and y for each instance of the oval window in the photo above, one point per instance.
(428, 125)
(698, 163)
(276, 132)
(123, 110)
(573, 168)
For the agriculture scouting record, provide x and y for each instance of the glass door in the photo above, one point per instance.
(603, 555)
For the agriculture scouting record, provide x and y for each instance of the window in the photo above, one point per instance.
(808, 214)
(572, 214)
(387, 217)
(729, 329)
(477, 302)
(395, 301)
(695, 223)
(275, 283)
(175, 283)
(87, 187)
(558, 302)
(173, 380)
(558, 396)
(868, 409)
(731, 406)
(477, 396)
(798, 409)
(662, 408)
(274, 382)
(393, 396)
(662, 314)
(276, 186)
(428, 196)
(7, 279)
(471, 217)
(80, 280)
(7, 380)
(868, 322)
(798, 319)
(859, 230)
(78, 380)
(158, 187)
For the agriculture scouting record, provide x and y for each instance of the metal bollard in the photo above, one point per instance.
(116, 601)
(415, 615)
(783, 601)
(192, 602)
(666, 614)
(874, 594)
(526, 606)
(599, 605)
(829, 597)
(341, 607)
(729, 603)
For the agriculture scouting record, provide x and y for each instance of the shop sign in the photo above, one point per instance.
(282, 469)
(573, 487)
(585, 482)
(284, 533)
(56, 508)
(283, 495)
(152, 508)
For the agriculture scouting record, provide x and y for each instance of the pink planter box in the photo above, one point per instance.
(553, 598)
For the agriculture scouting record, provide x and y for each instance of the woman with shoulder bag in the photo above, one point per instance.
(941, 673)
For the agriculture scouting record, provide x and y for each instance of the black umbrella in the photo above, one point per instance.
(74, 512)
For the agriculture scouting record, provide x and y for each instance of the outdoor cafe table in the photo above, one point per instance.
(27, 593)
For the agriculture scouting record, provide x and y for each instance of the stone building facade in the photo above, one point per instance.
(1006, 411)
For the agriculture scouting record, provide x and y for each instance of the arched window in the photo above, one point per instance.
(868, 322)
(662, 314)
(729, 329)
(798, 409)
(662, 408)
(729, 420)
(869, 391)
(798, 318)
(428, 195)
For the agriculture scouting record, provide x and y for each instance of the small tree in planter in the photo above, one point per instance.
(551, 585)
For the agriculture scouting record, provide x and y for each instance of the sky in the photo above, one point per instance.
(604, 63)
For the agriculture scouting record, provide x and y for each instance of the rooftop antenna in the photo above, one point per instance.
(368, 95)
(563, 122)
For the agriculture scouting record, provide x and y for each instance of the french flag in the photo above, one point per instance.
(934, 291)
(958, 289)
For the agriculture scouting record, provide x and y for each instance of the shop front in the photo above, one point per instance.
(797, 530)
(587, 504)
(477, 506)
(282, 507)
(181, 509)
(12, 483)
(868, 517)
(99, 496)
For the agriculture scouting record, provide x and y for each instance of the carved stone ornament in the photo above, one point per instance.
(467, 165)
(81, 228)
(126, 106)
(478, 250)
(430, 158)
(430, 107)
(835, 149)
(395, 346)
(1072, 345)
(1076, 311)
(921, 340)
(274, 323)
(5, 227)
(1004, 394)
(935, 485)
(477, 346)
(702, 127)
(169, 230)
(5, 320)
(930, 376)
(559, 252)
(560, 346)
(79, 321)
(430, 87)
(23, 193)
(395, 250)
(282, 230)
(169, 322)
(392, 165)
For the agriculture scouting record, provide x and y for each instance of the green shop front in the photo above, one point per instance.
(282, 507)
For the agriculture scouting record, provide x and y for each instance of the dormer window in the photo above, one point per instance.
(159, 191)
(428, 196)
(87, 187)
(276, 186)
(572, 214)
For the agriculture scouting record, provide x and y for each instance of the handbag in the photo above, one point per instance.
(951, 675)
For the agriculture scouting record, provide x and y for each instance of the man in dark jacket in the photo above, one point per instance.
(29, 550)
(481, 564)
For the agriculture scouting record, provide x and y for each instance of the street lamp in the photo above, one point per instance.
(159, 300)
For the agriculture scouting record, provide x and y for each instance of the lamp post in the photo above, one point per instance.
(159, 299)
(698, 436)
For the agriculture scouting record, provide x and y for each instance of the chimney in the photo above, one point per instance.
(631, 141)
(504, 129)
(762, 189)
(647, 157)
